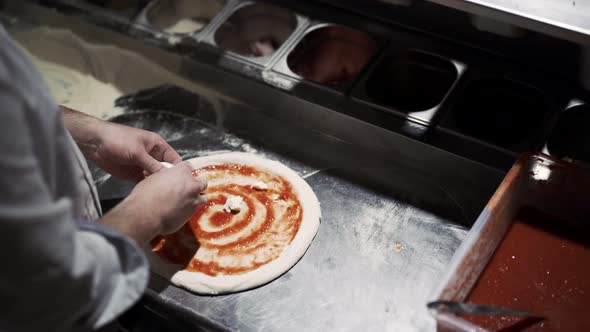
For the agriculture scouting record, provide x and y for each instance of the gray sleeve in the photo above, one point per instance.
(55, 275)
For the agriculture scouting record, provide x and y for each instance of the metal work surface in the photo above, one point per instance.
(387, 233)
(352, 278)
(564, 19)
(374, 261)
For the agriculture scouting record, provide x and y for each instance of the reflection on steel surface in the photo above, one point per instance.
(182, 16)
(331, 54)
(411, 80)
(256, 30)
(570, 137)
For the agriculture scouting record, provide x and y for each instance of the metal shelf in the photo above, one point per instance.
(569, 20)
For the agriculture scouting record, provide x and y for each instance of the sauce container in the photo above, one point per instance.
(528, 250)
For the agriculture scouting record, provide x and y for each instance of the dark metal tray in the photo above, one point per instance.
(553, 187)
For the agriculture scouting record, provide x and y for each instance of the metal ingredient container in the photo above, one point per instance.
(181, 16)
(256, 30)
(570, 137)
(412, 82)
(330, 54)
(498, 110)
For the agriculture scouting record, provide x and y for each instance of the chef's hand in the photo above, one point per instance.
(126, 152)
(158, 205)
(122, 151)
(162, 202)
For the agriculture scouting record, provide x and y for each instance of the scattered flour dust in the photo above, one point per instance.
(89, 77)
(238, 143)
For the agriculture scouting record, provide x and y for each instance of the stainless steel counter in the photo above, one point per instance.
(351, 279)
(381, 247)
(568, 20)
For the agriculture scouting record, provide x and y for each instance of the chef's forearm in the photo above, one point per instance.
(85, 130)
(127, 219)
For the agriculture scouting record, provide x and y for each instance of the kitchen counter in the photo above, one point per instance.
(381, 246)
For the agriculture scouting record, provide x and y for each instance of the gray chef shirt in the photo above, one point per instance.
(59, 271)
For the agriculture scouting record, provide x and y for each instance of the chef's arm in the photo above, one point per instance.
(55, 275)
(157, 205)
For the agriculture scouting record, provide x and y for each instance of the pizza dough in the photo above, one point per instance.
(237, 251)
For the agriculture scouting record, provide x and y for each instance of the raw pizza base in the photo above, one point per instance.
(204, 284)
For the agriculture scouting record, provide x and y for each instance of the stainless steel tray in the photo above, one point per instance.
(213, 11)
(235, 27)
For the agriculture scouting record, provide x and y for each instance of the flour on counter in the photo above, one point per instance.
(204, 131)
(88, 76)
(201, 153)
(238, 143)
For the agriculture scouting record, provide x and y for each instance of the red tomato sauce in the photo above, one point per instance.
(256, 233)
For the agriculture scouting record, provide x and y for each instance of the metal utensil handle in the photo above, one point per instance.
(475, 309)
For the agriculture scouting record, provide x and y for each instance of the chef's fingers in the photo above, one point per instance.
(201, 200)
(161, 150)
(170, 155)
(198, 185)
(147, 162)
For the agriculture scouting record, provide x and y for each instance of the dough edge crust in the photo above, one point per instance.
(201, 283)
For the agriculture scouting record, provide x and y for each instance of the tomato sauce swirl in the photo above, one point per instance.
(216, 242)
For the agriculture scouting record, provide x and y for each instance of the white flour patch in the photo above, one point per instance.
(88, 76)
(238, 143)
(170, 135)
(375, 231)
(204, 131)
(186, 154)
(201, 153)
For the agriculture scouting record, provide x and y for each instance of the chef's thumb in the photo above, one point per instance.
(148, 163)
